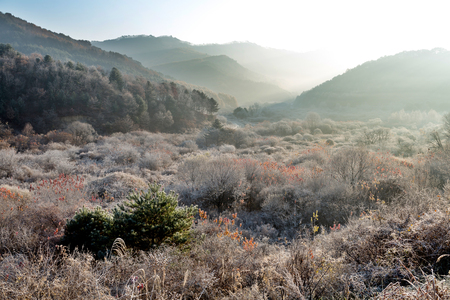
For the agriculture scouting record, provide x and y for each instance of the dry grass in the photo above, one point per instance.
(382, 234)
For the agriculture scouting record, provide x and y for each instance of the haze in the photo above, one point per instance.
(355, 30)
(224, 150)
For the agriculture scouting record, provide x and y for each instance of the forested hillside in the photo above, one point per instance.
(28, 38)
(186, 62)
(44, 92)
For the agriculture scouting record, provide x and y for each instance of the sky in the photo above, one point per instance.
(361, 29)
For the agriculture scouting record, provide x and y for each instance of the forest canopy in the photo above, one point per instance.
(46, 93)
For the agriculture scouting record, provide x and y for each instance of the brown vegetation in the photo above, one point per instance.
(306, 220)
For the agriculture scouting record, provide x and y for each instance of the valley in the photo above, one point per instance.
(147, 167)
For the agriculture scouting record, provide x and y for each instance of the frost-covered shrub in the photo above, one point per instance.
(308, 137)
(8, 159)
(81, 132)
(155, 160)
(298, 136)
(271, 141)
(188, 146)
(282, 128)
(222, 184)
(244, 138)
(125, 154)
(116, 185)
(405, 147)
(55, 160)
(317, 131)
(351, 165)
(218, 182)
(329, 142)
(227, 149)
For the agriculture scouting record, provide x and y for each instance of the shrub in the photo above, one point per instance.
(8, 159)
(189, 146)
(89, 229)
(227, 149)
(115, 185)
(351, 165)
(326, 128)
(222, 183)
(308, 137)
(317, 131)
(55, 160)
(282, 128)
(13, 201)
(329, 142)
(312, 121)
(405, 147)
(146, 221)
(155, 160)
(371, 137)
(125, 154)
(82, 132)
(151, 218)
(59, 137)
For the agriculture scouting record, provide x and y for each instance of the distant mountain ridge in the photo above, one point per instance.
(29, 38)
(409, 80)
(183, 61)
(223, 74)
(291, 71)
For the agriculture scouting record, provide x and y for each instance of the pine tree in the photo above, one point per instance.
(116, 77)
(212, 106)
(151, 218)
(217, 124)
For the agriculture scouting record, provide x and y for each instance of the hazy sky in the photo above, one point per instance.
(369, 28)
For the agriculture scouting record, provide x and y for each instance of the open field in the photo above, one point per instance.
(305, 209)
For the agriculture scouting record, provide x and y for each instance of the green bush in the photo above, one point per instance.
(152, 218)
(146, 221)
(89, 229)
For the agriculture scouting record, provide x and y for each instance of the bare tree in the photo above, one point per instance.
(350, 165)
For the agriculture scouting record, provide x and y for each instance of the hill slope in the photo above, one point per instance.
(223, 74)
(186, 62)
(409, 80)
(291, 70)
(150, 50)
(49, 94)
(28, 38)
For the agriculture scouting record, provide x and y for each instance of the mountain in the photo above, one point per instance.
(223, 74)
(28, 38)
(291, 70)
(409, 80)
(187, 62)
(150, 50)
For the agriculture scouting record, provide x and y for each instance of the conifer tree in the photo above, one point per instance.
(151, 218)
(116, 77)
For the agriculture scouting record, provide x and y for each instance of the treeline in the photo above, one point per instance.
(49, 94)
